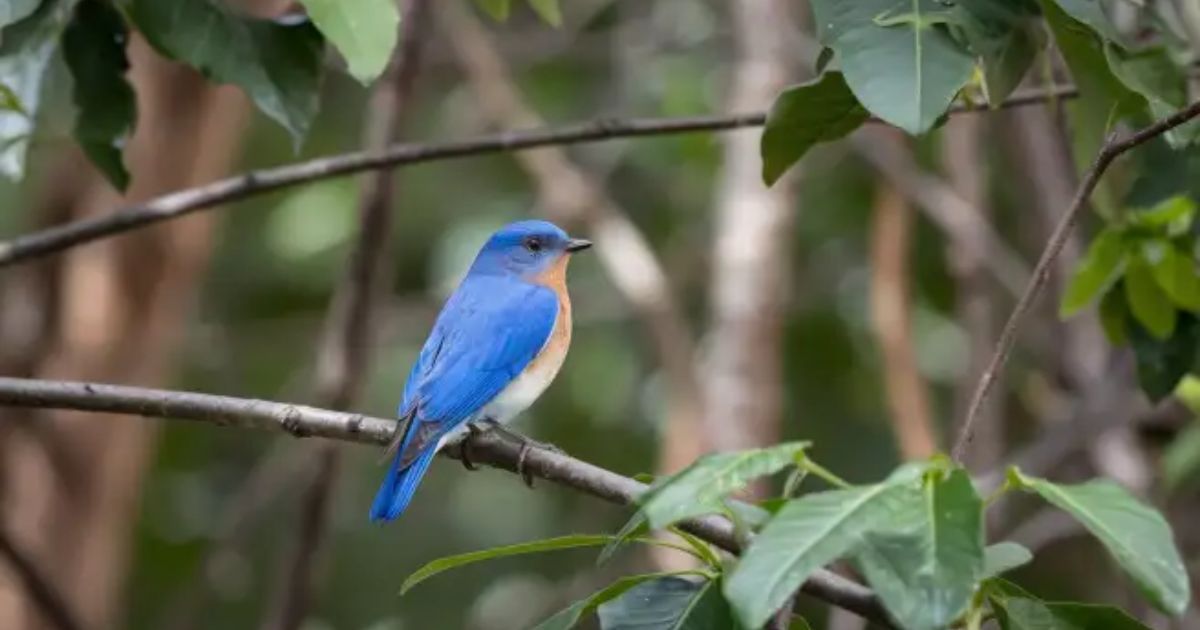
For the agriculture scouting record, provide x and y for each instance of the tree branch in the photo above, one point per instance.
(41, 591)
(487, 448)
(183, 202)
(1113, 148)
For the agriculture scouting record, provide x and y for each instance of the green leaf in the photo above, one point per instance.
(94, 49)
(10, 102)
(924, 565)
(25, 52)
(569, 616)
(1175, 272)
(278, 65)
(1162, 363)
(1091, 13)
(13, 11)
(1006, 36)
(1021, 613)
(1151, 73)
(1113, 316)
(701, 487)
(1162, 174)
(364, 31)
(497, 9)
(904, 68)
(1136, 535)
(1174, 215)
(802, 116)
(537, 546)
(1181, 459)
(548, 10)
(1003, 557)
(668, 603)
(806, 534)
(1149, 304)
(1096, 273)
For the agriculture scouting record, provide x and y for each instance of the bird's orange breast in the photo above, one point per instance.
(555, 350)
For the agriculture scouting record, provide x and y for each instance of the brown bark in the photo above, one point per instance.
(120, 309)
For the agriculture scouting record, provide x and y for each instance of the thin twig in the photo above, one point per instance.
(487, 448)
(253, 183)
(41, 591)
(1112, 149)
(345, 347)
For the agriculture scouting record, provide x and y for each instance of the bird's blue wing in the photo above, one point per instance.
(489, 330)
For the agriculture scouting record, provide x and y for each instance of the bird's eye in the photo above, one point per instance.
(533, 244)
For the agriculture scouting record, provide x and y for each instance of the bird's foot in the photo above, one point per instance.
(521, 470)
(464, 447)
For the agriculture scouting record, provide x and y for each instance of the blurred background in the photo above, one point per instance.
(852, 304)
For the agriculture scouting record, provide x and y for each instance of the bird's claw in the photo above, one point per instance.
(521, 470)
(464, 448)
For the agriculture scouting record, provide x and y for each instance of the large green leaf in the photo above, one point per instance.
(1022, 613)
(925, 563)
(821, 110)
(94, 49)
(669, 603)
(808, 533)
(1161, 363)
(1099, 269)
(1090, 13)
(1147, 301)
(702, 487)
(1151, 73)
(1006, 36)
(25, 52)
(1003, 557)
(1175, 272)
(569, 616)
(12, 11)
(897, 59)
(278, 65)
(364, 31)
(1136, 535)
(1173, 215)
(537, 546)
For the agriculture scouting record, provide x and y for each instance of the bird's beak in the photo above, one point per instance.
(577, 244)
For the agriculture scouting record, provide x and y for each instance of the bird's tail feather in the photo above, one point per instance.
(401, 483)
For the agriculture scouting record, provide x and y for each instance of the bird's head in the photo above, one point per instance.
(528, 249)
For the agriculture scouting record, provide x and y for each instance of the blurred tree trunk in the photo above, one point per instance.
(121, 306)
(752, 242)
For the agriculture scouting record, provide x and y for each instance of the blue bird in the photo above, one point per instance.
(497, 344)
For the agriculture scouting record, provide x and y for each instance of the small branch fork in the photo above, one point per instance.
(183, 202)
(487, 448)
(1113, 148)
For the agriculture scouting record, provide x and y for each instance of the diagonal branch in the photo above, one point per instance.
(1113, 148)
(41, 591)
(253, 183)
(487, 448)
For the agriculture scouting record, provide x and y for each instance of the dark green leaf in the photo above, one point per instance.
(94, 49)
(498, 9)
(13, 11)
(1090, 13)
(25, 53)
(925, 563)
(364, 31)
(1114, 315)
(900, 65)
(808, 533)
(1003, 557)
(537, 546)
(1163, 173)
(1136, 535)
(1149, 304)
(1006, 36)
(822, 110)
(1021, 613)
(1175, 272)
(1162, 363)
(668, 603)
(548, 10)
(701, 487)
(1151, 73)
(1181, 459)
(569, 616)
(1096, 273)
(278, 65)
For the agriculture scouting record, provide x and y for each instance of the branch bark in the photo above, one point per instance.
(487, 448)
(189, 200)
(1112, 149)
